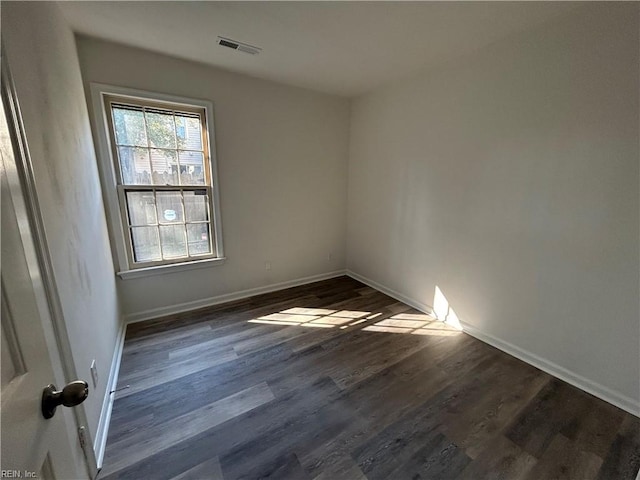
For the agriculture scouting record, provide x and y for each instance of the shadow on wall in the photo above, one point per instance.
(444, 322)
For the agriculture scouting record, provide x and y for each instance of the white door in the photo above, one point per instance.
(31, 447)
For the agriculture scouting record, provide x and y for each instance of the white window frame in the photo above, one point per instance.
(109, 173)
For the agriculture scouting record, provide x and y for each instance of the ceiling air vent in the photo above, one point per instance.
(242, 47)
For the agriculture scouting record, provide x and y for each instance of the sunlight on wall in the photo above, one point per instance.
(443, 310)
(452, 319)
(440, 304)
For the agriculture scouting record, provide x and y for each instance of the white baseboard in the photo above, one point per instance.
(615, 398)
(207, 302)
(423, 307)
(107, 404)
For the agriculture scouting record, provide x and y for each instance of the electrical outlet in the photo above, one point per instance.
(94, 373)
(267, 265)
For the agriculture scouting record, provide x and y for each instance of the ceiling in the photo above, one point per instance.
(343, 48)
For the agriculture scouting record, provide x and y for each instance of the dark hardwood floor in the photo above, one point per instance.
(334, 380)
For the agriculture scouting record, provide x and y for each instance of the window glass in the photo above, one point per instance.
(129, 127)
(161, 130)
(146, 244)
(164, 179)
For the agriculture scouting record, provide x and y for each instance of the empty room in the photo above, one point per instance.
(320, 240)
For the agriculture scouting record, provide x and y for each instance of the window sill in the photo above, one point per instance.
(173, 268)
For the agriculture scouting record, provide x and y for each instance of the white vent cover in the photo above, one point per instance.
(235, 45)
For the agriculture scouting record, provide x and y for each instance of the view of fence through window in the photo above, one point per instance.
(163, 177)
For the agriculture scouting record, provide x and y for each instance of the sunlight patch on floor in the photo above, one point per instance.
(351, 314)
(423, 317)
(333, 320)
(286, 317)
(358, 321)
(308, 311)
(406, 323)
(398, 322)
(315, 317)
(436, 332)
(415, 324)
(271, 322)
(385, 329)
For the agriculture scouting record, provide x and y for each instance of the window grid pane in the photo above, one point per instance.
(180, 220)
(198, 238)
(134, 165)
(169, 205)
(173, 241)
(129, 127)
(164, 164)
(146, 244)
(172, 141)
(141, 207)
(161, 129)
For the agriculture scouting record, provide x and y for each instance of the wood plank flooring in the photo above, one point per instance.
(334, 380)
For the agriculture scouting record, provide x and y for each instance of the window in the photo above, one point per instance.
(161, 163)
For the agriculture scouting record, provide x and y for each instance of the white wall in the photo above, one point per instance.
(282, 164)
(42, 55)
(509, 178)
